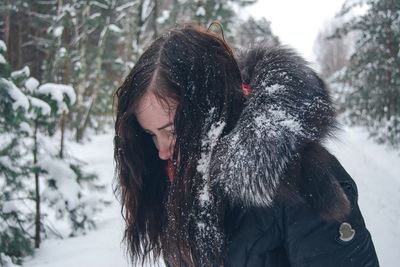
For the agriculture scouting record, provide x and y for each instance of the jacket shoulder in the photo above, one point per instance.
(333, 238)
(316, 177)
(292, 233)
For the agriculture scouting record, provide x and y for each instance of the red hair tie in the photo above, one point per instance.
(246, 89)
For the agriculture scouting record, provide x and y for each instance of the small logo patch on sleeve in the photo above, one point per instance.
(346, 232)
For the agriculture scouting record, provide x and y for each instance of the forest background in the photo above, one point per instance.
(62, 60)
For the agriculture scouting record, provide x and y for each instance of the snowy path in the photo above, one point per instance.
(376, 171)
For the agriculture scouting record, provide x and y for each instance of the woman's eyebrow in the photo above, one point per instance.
(166, 125)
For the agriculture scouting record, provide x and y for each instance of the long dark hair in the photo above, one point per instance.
(197, 69)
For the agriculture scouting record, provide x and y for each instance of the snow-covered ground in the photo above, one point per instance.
(101, 247)
(375, 169)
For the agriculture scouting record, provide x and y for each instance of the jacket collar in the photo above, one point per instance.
(289, 106)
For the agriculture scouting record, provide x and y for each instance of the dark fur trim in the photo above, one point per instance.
(289, 107)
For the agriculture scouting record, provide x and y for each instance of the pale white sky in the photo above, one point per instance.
(296, 22)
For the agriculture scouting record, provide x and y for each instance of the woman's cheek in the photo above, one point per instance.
(154, 138)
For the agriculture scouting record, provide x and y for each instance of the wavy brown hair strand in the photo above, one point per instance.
(198, 71)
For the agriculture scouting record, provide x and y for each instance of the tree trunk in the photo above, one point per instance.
(66, 36)
(155, 16)
(7, 28)
(37, 197)
(139, 25)
(85, 119)
(174, 12)
(98, 68)
(62, 134)
(19, 47)
(82, 76)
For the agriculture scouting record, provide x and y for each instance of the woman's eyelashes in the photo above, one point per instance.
(149, 133)
(170, 131)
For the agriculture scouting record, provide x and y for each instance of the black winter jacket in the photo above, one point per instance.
(293, 203)
(291, 233)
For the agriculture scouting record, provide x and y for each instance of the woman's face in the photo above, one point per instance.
(158, 121)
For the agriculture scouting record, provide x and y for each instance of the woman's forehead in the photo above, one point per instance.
(150, 103)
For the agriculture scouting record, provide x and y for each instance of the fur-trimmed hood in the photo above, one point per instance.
(289, 107)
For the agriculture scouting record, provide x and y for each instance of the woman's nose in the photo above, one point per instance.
(165, 150)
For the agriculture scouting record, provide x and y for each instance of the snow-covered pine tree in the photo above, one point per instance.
(332, 54)
(252, 31)
(92, 44)
(15, 215)
(82, 41)
(205, 11)
(373, 75)
(22, 28)
(43, 193)
(67, 193)
(106, 71)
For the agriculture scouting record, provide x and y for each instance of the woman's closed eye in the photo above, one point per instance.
(167, 133)
(171, 131)
(149, 133)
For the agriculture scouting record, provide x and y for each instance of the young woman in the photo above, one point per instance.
(219, 160)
